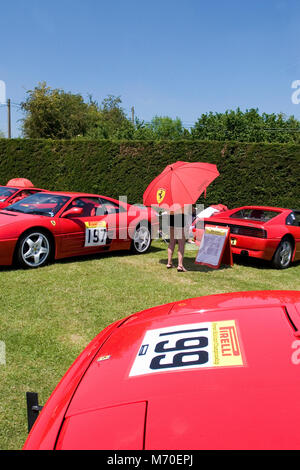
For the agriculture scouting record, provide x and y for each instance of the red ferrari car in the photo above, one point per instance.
(54, 225)
(11, 194)
(215, 372)
(269, 233)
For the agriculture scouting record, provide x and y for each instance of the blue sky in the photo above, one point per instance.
(168, 57)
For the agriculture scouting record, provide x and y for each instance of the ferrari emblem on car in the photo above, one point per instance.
(160, 195)
(103, 358)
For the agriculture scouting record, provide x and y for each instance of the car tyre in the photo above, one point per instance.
(34, 249)
(141, 241)
(283, 255)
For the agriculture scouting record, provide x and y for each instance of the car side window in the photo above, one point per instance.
(21, 195)
(293, 219)
(112, 207)
(92, 206)
(27, 192)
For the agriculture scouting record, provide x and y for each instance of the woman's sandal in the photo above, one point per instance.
(169, 266)
(181, 269)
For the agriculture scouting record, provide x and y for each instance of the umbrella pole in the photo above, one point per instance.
(163, 237)
(161, 233)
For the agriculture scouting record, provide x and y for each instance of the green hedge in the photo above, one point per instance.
(249, 173)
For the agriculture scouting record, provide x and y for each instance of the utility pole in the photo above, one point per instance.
(8, 119)
(132, 114)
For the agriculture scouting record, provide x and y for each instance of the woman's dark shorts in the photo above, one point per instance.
(177, 220)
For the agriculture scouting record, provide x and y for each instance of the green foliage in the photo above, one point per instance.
(111, 122)
(56, 114)
(248, 126)
(249, 173)
(160, 128)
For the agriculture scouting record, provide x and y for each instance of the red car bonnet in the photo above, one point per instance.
(208, 373)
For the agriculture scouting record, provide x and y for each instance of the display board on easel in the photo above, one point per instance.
(215, 247)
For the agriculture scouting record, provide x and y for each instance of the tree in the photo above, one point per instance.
(248, 126)
(161, 127)
(53, 113)
(111, 122)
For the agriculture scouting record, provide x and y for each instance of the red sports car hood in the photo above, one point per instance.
(211, 373)
(14, 218)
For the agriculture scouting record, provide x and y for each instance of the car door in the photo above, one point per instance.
(117, 223)
(295, 229)
(85, 232)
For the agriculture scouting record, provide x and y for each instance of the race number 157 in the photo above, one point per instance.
(95, 236)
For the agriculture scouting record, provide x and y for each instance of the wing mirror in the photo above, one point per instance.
(73, 212)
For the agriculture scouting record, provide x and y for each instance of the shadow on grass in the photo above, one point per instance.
(258, 263)
(104, 255)
(81, 258)
(8, 268)
(245, 261)
(190, 265)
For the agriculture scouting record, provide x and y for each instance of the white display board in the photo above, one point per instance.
(212, 246)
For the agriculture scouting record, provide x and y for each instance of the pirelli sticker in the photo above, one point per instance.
(192, 346)
(95, 233)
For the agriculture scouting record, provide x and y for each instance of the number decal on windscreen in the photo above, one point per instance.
(193, 346)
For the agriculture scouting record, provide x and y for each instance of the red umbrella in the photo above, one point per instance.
(20, 182)
(180, 183)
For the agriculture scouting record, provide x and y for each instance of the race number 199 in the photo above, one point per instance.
(190, 346)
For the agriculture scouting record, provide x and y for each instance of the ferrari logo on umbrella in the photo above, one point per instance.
(160, 195)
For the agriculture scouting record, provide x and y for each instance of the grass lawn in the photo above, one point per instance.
(49, 315)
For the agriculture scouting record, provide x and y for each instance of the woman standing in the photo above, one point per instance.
(177, 223)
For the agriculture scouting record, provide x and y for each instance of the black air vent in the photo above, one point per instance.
(293, 315)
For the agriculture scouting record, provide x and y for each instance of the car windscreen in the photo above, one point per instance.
(40, 204)
(6, 192)
(255, 214)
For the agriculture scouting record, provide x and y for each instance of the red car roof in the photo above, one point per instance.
(21, 187)
(77, 194)
(207, 373)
